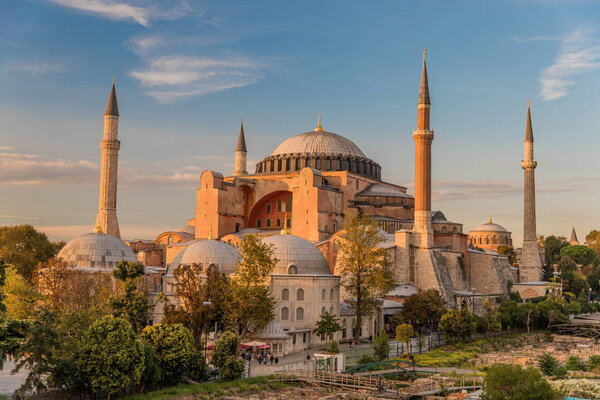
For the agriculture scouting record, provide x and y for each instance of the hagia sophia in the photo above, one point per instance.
(296, 199)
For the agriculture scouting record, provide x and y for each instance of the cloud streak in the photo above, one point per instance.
(178, 77)
(127, 11)
(34, 69)
(579, 53)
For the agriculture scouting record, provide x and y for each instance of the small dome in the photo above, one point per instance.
(96, 250)
(296, 254)
(318, 142)
(209, 252)
(489, 227)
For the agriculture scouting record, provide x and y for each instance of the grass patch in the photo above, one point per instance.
(211, 389)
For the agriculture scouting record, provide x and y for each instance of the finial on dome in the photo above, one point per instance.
(210, 234)
(490, 220)
(319, 128)
(97, 229)
(285, 230)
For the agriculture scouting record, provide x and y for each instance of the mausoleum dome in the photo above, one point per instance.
(296, 255)
(211, 252)
(96, 250)
(489, 227)
(318, 142)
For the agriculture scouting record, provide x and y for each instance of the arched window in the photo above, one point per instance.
(318, 163)
(279, 165)
(285, 294)
(480, 240)
(285, 314)
(268, 209)
(331, 310)
(444, 229)
(330, 294)
(272, 165)
(289, 223)
(258, 223)
(278, 205)
(287, 164)
(299, 314)
(487, 240)
(292, 269)
(268, 222)
(300, 295)
(454, 229)
(328, 164)
(297, 163)
(495, 240)
(323, 310)
(323, 294)
(278, 222)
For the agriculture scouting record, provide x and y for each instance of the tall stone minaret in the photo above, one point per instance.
(423, 137)
(106, 221)
(531, 264)
(240, 153)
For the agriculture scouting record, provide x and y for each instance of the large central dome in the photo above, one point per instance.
(319, 149)
(318, 142)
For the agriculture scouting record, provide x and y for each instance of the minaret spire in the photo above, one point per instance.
(423, 137)
(531, 264)
(240, 152)
(106, 220)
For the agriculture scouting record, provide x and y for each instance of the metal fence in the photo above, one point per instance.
(415, 346)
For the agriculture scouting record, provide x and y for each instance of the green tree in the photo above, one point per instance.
(152, 372)
(364, 267)
(547, 364)
(20, 296)
(24, 247)
(403, 334)
(512, 382)
(224, 356)
(574, 363)
(491, 319)
(592, 240)
(327, 325)
(253, 307)
(582, 255)
(511, 315)
(173, 344)
(574, 282)
(132, 304)
(593, 279)
(12, 332)
(381, 346)
(423, 310)
(112, 357)
(458, 324)
(552, 246)
(509, 252)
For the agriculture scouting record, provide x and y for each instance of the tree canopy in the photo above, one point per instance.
(364, 267)
(327, 325)
(581, 254)
(512, 382)
(132, 304)
(423, 310)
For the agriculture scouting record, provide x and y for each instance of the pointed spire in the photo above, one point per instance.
(573, 239)
(528, 128)
(319, 128)
(241, 143)
(111, 105)
(424, 89)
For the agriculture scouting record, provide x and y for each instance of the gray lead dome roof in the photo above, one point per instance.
(318, 142)
(207, 252)
(293, 250)
(96, 250)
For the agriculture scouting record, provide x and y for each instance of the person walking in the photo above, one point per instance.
(271, 359)
(276, 359)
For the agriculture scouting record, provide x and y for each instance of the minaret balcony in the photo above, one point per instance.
(528, 164)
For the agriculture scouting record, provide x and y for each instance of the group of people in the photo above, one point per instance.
(261, 357)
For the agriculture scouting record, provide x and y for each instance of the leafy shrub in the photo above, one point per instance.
(560, 372)
(232, 368)
(512, 382)
(547, 364)
(381, 346)
(594, 361)
(575, 364)
(366, 359)
(333, 347)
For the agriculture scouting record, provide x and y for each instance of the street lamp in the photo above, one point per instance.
(589, 294)
(206, 304)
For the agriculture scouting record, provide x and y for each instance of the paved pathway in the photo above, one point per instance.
(9, 383)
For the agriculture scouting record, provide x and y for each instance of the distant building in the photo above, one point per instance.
(573, 240)
(490, 236)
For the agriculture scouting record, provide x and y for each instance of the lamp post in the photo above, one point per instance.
(473, 302)
(589, 294)
(206, 304)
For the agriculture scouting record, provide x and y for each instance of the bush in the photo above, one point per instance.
(381, 346)
(232, 368)
(333, 347)
(560, 372)
(575, 364)
(366, 359)
(547, 364)
(152, 372)
(511, 382)
(594, 361)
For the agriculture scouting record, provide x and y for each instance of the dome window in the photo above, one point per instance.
(268, 222)
(268, 209)
(293, 270)
(258, 223)
(278, 222)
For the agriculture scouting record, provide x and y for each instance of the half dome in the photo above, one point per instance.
(211, 252)
(296, 255)
(96, 250)
(318, 142)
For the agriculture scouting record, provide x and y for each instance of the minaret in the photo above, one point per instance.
(531, 264)
(423, 137)
(240, 153)
(106, 221)
(573, 240)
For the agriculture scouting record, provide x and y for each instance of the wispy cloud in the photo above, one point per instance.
(541, 38)
(30, 169)
(140, 12)
(579, 53)
(178, 77)
(145, 44)
(6, 148)
(34, 69)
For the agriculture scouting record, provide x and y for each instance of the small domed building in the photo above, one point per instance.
(96, 252)
(490, 236)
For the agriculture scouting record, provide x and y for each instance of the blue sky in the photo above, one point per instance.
(186, 71)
